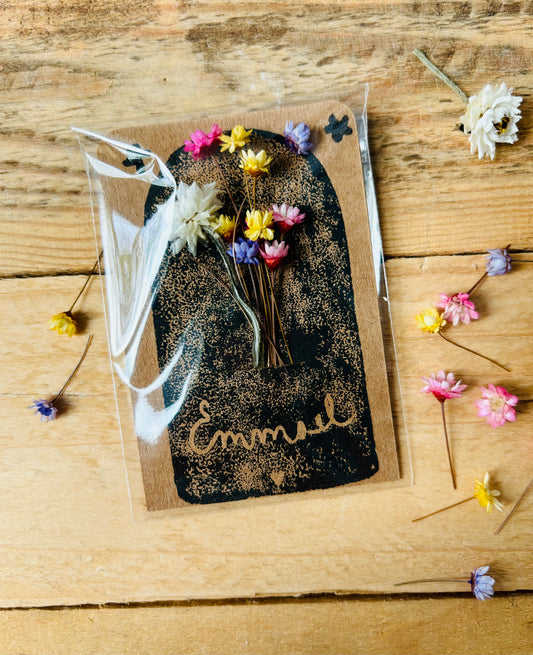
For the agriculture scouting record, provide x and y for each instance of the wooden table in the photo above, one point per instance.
(78, 575)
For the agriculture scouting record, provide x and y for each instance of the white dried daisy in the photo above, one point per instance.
(193, 210)
(491, 118)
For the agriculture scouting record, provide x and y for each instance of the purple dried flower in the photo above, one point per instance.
(297, 138)
(45, 408)
(482, 584)
(244, 251)
(498, 261)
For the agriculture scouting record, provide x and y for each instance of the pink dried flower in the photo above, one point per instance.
(203, 145)
(497, 405)
(457, 308)
(286, 217)
(273, 253)
(443, 386)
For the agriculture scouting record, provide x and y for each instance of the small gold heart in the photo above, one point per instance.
(277, 477)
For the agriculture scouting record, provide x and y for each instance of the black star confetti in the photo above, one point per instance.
(337, 128)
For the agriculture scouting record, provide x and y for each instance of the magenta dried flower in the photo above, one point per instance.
(203, 145)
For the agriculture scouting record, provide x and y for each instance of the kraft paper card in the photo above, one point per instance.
(315, 413)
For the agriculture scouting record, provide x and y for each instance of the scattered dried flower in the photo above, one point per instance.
(491, 118)
(498, 261)
(486, 496)
(203, 145)
(255, 164)
(258, 224)
(481, 584)
(430, 320)
(194, 210)
(273, 253)
(457, 308)
(286, 217)
(64, 323)
(497, 405)
(298, 138)
(238, 138)
(444, 386)
(244, 251)
(47, 408)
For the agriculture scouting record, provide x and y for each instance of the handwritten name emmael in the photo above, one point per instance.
(258, 435)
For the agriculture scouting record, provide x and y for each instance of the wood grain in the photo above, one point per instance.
(64, 64)
(68, 535)
(406, 626)
(77, 541)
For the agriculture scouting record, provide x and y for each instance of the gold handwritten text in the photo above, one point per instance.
(260, 436)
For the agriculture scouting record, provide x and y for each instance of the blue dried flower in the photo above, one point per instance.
(498, 261)
(482, 584)
(244, 251)
(297, 138)
(45, 408)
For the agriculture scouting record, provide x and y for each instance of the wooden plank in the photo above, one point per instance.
(105, 66)
(68, 536)
(405, 626)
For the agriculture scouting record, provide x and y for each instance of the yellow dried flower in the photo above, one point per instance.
(225, 226)
(485, 496)
(238, 138)
(254, 164)
(430, 320)
(64, 323)
(258, 225)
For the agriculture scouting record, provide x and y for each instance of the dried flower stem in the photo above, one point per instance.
(399, 584)
(89, 278)
(515, 507)
(443, 509)
(471, 290)
(436, 71)
(275, 304)
(217, 164)
(474, 352)
(258, 346)
(71, 376)
(452, 472)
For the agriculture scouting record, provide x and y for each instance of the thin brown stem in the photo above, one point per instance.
(224, 182)
(89, 278)
(474, 352)
(452, 472)
(71, 376)
(279, 320)
(399, 584)
(516, 505)
(443, 509)
(476, 285)
(208, 271)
